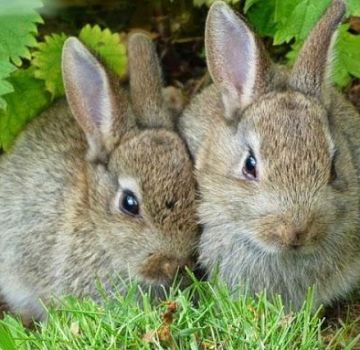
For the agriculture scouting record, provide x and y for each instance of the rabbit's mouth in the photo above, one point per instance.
(162, 270)
(277, 246)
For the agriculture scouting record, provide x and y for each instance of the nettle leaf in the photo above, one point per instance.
(347, 57)
(27, 101)
(261, 16)
(47, 61)
(107, 46)
(297, 18)
(5, 87)
(18, 27)
(248, 4)
(353, 7)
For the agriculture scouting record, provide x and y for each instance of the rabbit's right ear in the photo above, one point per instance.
(236, 61)
(146, 84)
(91, 99)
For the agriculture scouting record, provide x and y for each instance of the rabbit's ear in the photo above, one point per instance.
(311, 69)
(236, 60)
(91, 99)
(146, 83)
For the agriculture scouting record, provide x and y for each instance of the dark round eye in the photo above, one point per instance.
(250, 167)
(129, 204)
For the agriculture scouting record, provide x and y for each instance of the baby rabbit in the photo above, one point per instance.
(278, 161)
(109, 194)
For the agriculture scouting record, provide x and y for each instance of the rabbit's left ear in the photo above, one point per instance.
(237, 61)
(311, 69)
(92, 100)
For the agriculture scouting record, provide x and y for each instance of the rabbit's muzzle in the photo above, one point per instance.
(293, 237)
(163, 269)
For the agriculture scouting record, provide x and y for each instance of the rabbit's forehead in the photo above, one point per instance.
(159, 164)
(291, 125)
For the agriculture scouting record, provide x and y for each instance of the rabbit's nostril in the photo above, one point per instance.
(169, 269)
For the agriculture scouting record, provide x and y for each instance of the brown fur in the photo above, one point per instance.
(296, 225)
(60, 223)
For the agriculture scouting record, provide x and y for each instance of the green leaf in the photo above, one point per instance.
(294, 52)
(297, 21)
(107, 46)
(347, 57)
(5, 87)
(261, 16)
(47, 61)
(25, 103)
(354, 7)
(18, 20)
(248, 4)
(346, 62)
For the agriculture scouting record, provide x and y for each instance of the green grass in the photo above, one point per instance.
(212, 322)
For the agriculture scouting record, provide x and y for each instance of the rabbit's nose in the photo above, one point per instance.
(291, 236)
(169, 268)
(161, 267)
(177, 266)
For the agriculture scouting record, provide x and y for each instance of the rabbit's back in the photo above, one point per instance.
(45, 160)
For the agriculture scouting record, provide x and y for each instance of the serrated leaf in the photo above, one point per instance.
(347, 57)
(5, 87)
(294, 52)
(261, 16)
(47, 61)
(107, 46)
(299, 20)
(354, 7)
(18, 26)
(346, 62)
(18, 20)
(248, 4)
(26, 102)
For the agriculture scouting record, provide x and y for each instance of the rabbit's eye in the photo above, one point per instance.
(250, 167)
(129, 203)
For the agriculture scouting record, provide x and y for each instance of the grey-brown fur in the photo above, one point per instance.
(296, 225)
(60, 225)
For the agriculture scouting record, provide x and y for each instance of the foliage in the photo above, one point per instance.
(107, 46)
(215, 321)
(18, 20)
(30, 94)
(286, 22)
(20, 111)
(290, 21)
(47, 60)
(347, 56)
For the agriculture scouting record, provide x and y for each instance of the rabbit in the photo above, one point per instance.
(277, 158)
(96, 188)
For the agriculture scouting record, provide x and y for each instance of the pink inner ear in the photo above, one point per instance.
(90, 86)
(87, 89)
(232, 53)
(237, 57)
